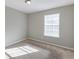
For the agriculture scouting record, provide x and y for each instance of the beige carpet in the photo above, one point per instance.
(35, 50)
(24, 50)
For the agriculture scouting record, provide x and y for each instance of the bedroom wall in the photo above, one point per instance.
(36, 28)
(15, 26)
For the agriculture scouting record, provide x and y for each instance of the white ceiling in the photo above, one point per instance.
(36, 5)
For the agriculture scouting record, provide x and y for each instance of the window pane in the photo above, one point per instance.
(55, 28)
(52, 19)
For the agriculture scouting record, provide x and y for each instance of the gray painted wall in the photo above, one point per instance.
(36, 26)
(15, 26)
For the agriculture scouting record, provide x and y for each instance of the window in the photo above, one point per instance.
(51, 25)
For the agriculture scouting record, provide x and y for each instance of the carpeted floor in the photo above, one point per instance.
(24, 50)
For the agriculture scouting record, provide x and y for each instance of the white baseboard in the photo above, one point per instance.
(11, 43)
(72, 49)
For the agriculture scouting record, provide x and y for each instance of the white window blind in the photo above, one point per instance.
(51, 25)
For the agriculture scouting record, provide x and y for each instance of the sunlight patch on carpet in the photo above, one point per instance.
(19, 51)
